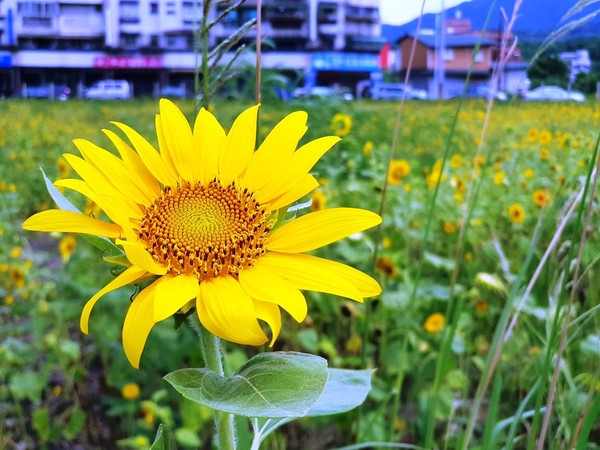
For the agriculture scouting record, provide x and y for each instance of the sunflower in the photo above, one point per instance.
(540, 197)
(516, 213)
(199, 217)
(397, 171)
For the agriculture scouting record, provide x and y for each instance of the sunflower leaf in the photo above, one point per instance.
(277, 384)
(345, 390)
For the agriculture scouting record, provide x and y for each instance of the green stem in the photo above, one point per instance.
(213, 360)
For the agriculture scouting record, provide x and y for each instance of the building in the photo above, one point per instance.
(578, 62)
(459, 56)
(441, 63)
(151, 42)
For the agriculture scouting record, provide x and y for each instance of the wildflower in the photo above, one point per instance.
(130, 391)
(516, 213)
(436, 175)
(141, 442)
(541, 197)
(15, 252)
(18, 277)
(478, 162)
(449, 227)
(545, 137)
(12, 187)
(544, 153)
(456, 161)
(469, 256)
(354, 344)
(482, 306)
(528, 173)
(435, 323)
(9, 300)
(319, 201)
(407, 187)
(386, 266)
(368, 148)
(1, 230)
(66, 246)
(397, 171)
(499, 177)
(199, 216)
(386, 242)
(532, 135)
(56, 390)
(63, 167)
(148, 416)
(341, 124)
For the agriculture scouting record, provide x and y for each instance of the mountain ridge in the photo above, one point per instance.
(530, 24)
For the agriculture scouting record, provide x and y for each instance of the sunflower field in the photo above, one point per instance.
(486, 333)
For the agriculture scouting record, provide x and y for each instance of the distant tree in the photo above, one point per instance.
(586, 82)
(548, 70)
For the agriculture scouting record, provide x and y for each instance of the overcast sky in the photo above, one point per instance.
(399, 12)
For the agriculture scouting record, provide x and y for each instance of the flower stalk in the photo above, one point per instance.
(210, 345)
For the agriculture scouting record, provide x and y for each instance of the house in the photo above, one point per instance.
(441, 70)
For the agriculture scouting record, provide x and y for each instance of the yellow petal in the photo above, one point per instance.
(139, 256)
(209, 137)
(79, 186)
(261, 284)
(115, 170)
(149, 155)
(311, 273)
(276, 151)
(319, 228)
(71, 222)
(300, 164)
(228, 312)
(238, 146)
(102, 185)
(111, 207)
(165, 152)
(300, 189)
(130, 275)
(178, 136)
(269, 313)
(172, 293)
(133, 161)
(138, 324)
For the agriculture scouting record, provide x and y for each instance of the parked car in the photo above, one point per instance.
(173, 91)
(553, 94)
(51, 91)
(322, 92)
(109, 90)
(396, 91)
(479, 91)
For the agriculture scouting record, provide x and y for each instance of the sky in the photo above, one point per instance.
(399, 12)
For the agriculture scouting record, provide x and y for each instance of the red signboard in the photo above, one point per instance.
(128, 62)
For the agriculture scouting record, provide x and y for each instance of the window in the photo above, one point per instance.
(129, 11)
(129, 40)
(170, 8)
(153, 8)
(448, 54)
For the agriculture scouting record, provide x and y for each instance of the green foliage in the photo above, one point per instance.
(548, 70)
(269, 385)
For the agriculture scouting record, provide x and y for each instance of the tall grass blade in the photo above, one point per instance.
(578, 7)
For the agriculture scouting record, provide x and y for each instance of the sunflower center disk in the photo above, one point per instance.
(208, 230)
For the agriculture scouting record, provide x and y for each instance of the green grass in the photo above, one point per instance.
(469, 384)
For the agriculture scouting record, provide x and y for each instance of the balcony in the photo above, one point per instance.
(36, 25)
(81, 25)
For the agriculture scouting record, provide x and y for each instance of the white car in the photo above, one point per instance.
(109, 90)
(553, 94)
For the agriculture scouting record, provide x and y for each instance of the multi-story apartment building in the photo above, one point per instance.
(150, 42)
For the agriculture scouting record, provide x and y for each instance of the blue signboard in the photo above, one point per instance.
(5, 60)
(347, 62)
